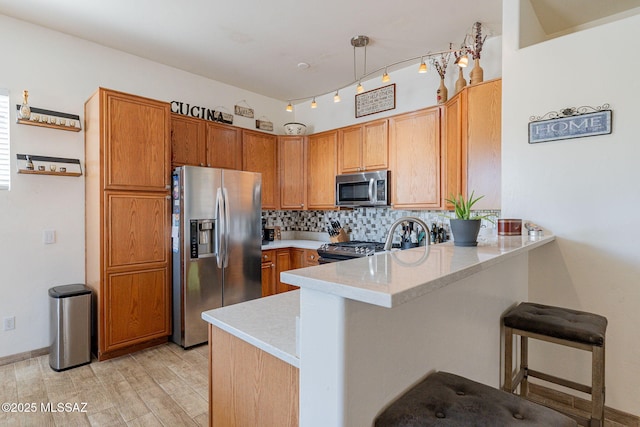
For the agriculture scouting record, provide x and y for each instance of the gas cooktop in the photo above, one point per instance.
(347, 250)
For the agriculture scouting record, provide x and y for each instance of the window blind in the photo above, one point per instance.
(4, 140)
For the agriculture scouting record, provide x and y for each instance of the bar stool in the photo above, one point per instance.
(444, 399)
(577, 329)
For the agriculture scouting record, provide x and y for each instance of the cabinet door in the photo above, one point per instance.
(311, 257)
(259, 154)
(414, 147)
(322, 150)
(136, 307)
(187, 141)
(268, 278)
(291, 165)
(484, 121)
(224, 146)
(375, 148)
(137, 142)
(350, 149)
(454, 175)
(298, 258)
(137, 228)
(283, 263)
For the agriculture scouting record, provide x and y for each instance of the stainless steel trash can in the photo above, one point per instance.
(70, 330)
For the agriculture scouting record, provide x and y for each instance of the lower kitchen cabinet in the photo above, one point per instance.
(137, 308)
(275, 261)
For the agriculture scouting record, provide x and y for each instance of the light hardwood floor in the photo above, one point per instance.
(160, 386)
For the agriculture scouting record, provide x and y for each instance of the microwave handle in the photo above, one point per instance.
(372, 193)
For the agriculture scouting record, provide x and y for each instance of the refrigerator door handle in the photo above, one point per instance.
(220, 223)
(225, 255)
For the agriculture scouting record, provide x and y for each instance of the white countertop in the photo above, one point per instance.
(301, 244)
(268, 323)
(393, 278)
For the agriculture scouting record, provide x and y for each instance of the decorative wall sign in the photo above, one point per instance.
(201, 112)
(244, 111)
(264, 125)
(376, 100)
(570, 123)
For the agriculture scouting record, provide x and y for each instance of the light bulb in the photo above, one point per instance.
(463, 61)
(336, 97)
(360, 88)
(313, 103)
(289, 107)
(385, 77)
(423, 68)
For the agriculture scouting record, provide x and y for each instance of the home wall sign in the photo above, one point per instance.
(201, 112)
(244, 111)
(264, 125)
(376, 100)
(570, 123)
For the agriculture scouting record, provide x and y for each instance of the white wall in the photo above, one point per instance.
(585, 190)
(61, 72)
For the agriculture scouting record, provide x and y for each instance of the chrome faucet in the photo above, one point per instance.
(389, 241)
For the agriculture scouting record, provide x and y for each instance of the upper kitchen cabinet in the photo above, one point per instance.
(322, 151)
(472, 159)
(259, 154)
(187, 141)
(136, 141)
(198, 142)
(224, 146)
(414, 157)
(363, 147)
(291, 167)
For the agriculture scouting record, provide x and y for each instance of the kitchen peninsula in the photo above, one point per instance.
(368, 329)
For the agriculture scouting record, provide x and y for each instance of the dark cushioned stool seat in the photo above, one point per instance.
(563, 323)
(444, 399)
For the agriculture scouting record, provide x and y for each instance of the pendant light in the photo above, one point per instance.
(423, 66)
(336, 97)
(360, 88)
(385, 76)
(314, 104)
(289, 107)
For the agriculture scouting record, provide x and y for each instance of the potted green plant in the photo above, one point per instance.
(465, 226)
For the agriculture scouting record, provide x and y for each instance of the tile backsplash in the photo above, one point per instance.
(361, 223)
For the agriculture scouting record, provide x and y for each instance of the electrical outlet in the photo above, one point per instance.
(48, 236)
(9, 323)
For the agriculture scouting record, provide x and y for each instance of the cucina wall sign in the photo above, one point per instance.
(201, 112)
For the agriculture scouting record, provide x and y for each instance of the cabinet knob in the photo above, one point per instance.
(273, 265)
(167, 187)
(167, 197)
(264, 256)
(201, 164)
(302, 205)
(313, 257)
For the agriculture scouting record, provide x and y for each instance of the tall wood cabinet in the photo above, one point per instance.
(127, 183)
(414, 154)
(472, 159)
(259, 154)
(322, 151)
(292, 172)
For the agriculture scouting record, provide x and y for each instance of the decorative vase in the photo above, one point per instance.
(25, 111)
(465, 231)
(442, 93)
(461, 82)
(477, 74)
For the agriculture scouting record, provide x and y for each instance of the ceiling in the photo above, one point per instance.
(257, 45)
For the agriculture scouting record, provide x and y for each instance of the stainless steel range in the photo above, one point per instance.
(333, 252)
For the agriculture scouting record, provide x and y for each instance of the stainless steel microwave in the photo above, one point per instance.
(363, 189)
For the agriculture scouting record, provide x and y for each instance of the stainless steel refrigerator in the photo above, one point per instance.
(216, 245)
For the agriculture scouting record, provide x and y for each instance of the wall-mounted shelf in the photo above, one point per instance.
(51, 119)
(73, 166)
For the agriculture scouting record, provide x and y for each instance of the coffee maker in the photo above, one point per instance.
(264, 233)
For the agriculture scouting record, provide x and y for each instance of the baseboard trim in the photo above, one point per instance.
(578, 406)
(6, 360)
